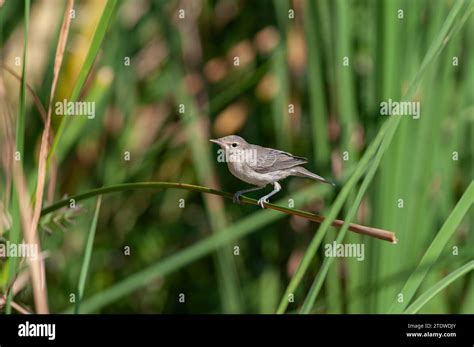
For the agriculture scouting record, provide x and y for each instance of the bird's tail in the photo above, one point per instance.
(302, 172)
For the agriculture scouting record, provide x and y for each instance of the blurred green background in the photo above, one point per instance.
(163, 85)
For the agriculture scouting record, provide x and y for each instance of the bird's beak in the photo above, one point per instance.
(216, 141)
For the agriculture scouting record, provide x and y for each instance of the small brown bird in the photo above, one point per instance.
(261, 166)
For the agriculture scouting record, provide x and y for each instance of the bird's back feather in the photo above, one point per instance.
(269, 160)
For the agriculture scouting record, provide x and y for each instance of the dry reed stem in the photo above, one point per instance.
(41, 300)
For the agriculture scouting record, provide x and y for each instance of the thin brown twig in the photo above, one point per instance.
(19, 308)
(36, 264)
(42, 112)
(357, 228)
(7, 144)
(45, 139)
(53, 178)
(381, 234)
(36, 99)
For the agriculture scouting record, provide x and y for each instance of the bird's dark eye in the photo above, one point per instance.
(234, 145)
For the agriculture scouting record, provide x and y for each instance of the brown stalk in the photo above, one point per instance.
(42, 112)
(35, 96)
(357, 228)
(7, 144)
(36, 264)
(19, 308)
(42, 306)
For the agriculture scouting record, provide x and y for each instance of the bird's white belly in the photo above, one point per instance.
(245, 173)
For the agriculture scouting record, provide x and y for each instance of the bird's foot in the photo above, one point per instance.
(261, 201)
(236, 198)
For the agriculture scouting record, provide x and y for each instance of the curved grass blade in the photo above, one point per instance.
(87, 256)
(432, 254)
(99, 35)
(430, 293)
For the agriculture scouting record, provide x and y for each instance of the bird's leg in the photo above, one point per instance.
(237, 195)
(277, 188)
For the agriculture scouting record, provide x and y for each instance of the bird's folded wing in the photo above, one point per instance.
(269, 160)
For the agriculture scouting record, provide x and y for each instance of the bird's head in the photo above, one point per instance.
(231, 143)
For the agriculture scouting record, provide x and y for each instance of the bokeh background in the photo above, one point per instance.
(274, 73)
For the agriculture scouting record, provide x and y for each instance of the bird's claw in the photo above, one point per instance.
(236, 198)
(261, 201)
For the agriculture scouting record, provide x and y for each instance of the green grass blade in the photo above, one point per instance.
(281, 118)
(317, 99)
(347, 111)
(87, 256)
(97, 39)
(430, 293)
(281, 99)
(20, 142)
(20, 125)
(439, 243)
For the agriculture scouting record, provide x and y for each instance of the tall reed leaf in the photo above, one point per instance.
(87, 256)
(438, 287)
(97, 39)
(20, 141)
(437, 246)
